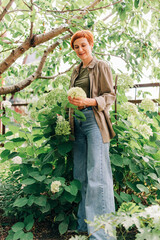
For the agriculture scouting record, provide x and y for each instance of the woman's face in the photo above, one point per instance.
(82, 48)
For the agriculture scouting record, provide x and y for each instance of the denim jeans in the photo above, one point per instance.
(92, 168)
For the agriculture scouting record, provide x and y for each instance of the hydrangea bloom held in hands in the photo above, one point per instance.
(148, 105)
(55, 186)
(76, 92)
(62, 127)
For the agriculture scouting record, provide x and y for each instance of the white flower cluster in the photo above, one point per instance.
(145, 130)
(148, 105)
(17, 160)
(56, 95)
(63, 80)
(76, 92)
(79, 237)
(41, 102)
(125, 81)
(62, 127)
(55, 186)
(6, 104)
(129, 109)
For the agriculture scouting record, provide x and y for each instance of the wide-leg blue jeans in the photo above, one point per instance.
(92, 168)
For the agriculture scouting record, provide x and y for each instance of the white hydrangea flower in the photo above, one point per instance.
(17, 160)
(56, 95)
(148, 105)
(62, 127)
(125, 81)
(76, 92)
(55, 186)
(129, 109)
(41, 102)
(6, 104)
(60, 118)
(145, 130)
(79, 237)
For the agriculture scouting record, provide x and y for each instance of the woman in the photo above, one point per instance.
(91, 146)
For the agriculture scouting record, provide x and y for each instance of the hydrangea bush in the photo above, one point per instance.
(130, 216)
(40, 179)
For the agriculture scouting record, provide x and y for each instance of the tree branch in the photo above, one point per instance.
(6, 9)
(36, 40)
(23, 84)
(31, 28)
(80, 9)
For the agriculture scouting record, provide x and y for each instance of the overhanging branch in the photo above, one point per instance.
(6, 9)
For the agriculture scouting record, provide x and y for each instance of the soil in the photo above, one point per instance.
(41, 230)
(44, 230)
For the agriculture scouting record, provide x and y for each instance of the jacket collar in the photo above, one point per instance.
(91, 65)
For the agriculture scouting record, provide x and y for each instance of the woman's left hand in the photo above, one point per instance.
(80, 102)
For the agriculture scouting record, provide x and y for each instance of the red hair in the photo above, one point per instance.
(82, 34)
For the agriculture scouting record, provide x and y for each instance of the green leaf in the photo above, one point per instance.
(158, 143)
(142, 188)
(9, 145)
(37, 176)
(18, 140)
(79, 115)
(68, 197)
(63, 227)
(18, 235)
(136, 3)
(41, 201)
(21, 202)
(10, 236)
(60, 217)
(126, 197)
(5, 120)
(119, 199)
(31, 200)
(153, 176)
(134, 167)
(47, 169)
(136, 199)
(65, 148)
(29, 221)
(18, 226)
(150, 149)
(77, 184)
(28, 181)
(117, 160)
(72, 189)
(46, 209)
(28, 236)
(5, 153)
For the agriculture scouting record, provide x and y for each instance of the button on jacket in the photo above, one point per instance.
(101, 89)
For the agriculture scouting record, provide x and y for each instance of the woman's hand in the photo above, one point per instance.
(80, 102)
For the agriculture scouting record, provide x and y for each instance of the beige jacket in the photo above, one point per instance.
(101, 88)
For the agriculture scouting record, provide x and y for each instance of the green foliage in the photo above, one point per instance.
(38, 157)
(135, 157)
(130, 217)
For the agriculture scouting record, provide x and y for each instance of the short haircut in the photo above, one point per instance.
(82, 34)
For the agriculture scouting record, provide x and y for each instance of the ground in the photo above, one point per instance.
(41, 231)
(44, 230)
